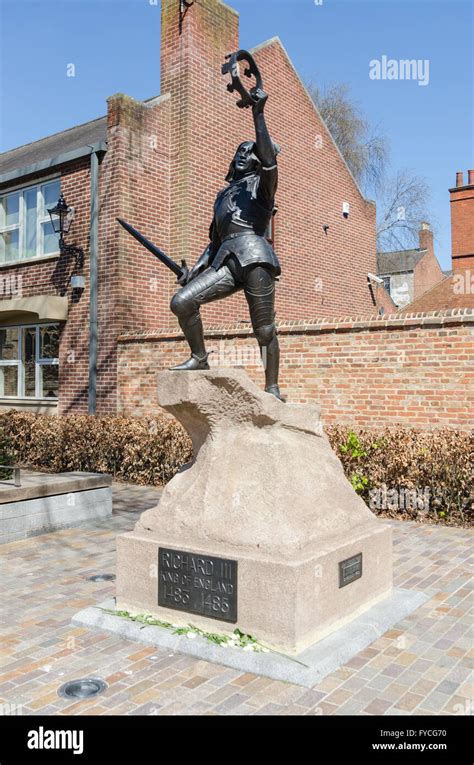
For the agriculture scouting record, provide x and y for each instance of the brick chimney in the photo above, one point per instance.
(195, 38)
(425, 237)
(462, 223)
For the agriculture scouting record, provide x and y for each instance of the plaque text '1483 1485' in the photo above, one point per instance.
(199, 584)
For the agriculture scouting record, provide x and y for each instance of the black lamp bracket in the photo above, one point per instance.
(69, 250)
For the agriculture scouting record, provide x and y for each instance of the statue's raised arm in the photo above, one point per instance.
(265, 147)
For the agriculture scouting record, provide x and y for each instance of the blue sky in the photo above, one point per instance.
(114, 45)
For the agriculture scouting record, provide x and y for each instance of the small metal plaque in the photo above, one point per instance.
(350, 570)
(199, 584)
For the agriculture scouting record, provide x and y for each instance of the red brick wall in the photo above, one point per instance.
(427, 271)
(134, 290)
(415, 370)
(322, 274)
(74, 345)
(453, 292)
(426, 274)
(462, 226)
(382, 298)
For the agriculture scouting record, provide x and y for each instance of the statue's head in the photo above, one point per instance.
(245, 162)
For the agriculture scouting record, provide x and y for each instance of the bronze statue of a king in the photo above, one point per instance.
(239, 256)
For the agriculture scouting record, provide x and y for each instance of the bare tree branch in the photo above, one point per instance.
(402, 200)
(401, 206)
(365, 151)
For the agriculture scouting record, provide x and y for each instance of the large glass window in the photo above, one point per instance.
(25, 226)
(9, 361)
(29, 361)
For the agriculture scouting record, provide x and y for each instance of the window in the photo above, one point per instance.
(386, 283)
(29, 361)
(25, 226)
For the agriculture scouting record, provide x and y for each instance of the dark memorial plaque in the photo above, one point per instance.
(350, 570)
(198, 584)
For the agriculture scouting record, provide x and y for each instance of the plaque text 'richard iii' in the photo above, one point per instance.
(197, 583)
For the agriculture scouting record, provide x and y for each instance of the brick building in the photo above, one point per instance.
(457, 289)
(411, 367)
(407, 274)
(159, 164)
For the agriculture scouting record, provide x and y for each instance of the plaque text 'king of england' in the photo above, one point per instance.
(198, 584)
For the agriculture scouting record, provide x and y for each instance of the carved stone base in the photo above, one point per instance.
(267, 495)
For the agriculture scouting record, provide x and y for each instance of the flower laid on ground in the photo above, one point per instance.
(237, 639)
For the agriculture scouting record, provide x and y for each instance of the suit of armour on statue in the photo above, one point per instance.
(239, 257)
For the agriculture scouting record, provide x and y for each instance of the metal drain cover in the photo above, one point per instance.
(82, 689)
(102, 578)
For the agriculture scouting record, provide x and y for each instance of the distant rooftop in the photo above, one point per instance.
(54, 145)
(443, 296)
(399, 261)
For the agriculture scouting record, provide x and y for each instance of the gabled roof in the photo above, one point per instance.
(398, 261)
(276, 40)
(443, 296)
(54, 145)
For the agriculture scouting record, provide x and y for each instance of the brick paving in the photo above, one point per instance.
(421, 666)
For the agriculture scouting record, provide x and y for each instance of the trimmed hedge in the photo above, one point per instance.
(424, 475)
(5, 457)
(146, 450)
(419, 474)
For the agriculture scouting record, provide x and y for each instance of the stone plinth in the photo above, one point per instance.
(265, 490)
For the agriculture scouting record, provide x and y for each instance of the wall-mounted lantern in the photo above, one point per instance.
(62, 216)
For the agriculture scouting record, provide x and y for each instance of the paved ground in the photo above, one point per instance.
(422, 666)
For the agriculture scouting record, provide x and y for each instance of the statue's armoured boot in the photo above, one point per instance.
(271, 360)
(194, 334)
(193, 363)
(275, 391)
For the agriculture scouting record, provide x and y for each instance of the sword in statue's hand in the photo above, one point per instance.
(182, 271)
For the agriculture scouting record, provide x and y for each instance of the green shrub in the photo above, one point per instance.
(419, 473)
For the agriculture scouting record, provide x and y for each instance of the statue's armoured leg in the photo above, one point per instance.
(210, 285)
(260, 293)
